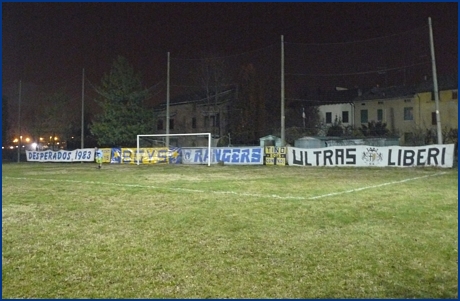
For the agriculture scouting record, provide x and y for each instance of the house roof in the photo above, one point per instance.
(445, 82)
(319, 97)
(387, 93)
(338, 96)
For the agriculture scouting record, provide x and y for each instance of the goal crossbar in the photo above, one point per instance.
(175, 135)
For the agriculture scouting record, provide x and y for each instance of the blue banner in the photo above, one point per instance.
(175, 155)
(116, 155)
(227, 155)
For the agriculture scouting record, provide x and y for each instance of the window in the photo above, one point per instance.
(345, 117)
(364, 116)
(328, 117)
(193, 122)
(209, 121)
(409, 113)
(454, 94)
(379, 115)
(171, 124)
(160, 124)
(433, 118)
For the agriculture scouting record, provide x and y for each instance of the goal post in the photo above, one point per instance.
(174, 135)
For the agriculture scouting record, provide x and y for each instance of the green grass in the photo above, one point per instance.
(72, 231)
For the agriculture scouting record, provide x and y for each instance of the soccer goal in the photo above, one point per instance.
(154, 138)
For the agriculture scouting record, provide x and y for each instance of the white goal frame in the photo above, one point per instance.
(175, 135)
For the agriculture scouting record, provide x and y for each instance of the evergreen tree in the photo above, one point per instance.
(123, 114)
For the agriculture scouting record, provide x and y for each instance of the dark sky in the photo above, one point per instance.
(50, 43)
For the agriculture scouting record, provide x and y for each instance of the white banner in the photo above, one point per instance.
(362, 155)
(78, 155)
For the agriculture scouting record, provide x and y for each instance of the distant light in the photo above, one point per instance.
(3, 147)
(34, 145)
(11, 147)
(27, 139)
(41, 139)
(15, 140)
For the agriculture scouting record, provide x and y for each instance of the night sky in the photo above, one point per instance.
(49, 43)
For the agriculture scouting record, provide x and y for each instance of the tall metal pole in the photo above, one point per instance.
(19, 123)
(167, 105)
(83, 110)
(303, 116)
(435, 84)
(283, 140)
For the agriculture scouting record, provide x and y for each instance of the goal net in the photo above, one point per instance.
(171, 141)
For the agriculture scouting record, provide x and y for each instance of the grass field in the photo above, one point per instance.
(72, 231)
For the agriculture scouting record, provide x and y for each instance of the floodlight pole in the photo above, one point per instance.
(19, 122)
(435, 84)
(167, 104)
(283, 140)
(83, 110)
(303, 116)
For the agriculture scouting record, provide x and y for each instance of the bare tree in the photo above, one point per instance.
(52, 117)
(248, 115)
(214, 78)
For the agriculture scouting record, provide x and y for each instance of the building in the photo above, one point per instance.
(334, 106)
(409, 111)
(197, 112)
(448, 104)
(393, 106)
